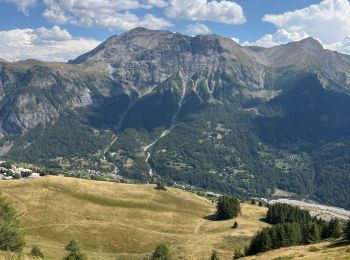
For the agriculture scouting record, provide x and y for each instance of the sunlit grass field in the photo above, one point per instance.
(332, 250)
(123, 221)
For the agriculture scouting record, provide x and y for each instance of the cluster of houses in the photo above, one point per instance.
(9, 171)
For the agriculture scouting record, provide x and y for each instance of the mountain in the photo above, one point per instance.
(201, 111)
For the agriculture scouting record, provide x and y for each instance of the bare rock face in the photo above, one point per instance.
(141, 59)
(29, 112)
(33, 93)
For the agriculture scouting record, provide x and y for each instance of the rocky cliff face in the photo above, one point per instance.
(34, 93)
(141, 59)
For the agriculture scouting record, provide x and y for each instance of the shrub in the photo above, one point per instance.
(161, 253)
(235, 225)
(314, 249)
(17, 176)
(214, 255)
(74, 252)
(238, 254)
(160, 186)
(26, 174)
(36, 252)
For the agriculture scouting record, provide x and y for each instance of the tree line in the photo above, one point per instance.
(293, 226)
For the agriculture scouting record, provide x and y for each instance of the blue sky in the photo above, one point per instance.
(62, 29)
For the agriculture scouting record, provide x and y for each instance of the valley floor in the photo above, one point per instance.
(123, 221)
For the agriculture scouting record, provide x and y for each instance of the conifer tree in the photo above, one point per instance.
(11, 239)
(347, 231)
(334, 229)
(311, 233)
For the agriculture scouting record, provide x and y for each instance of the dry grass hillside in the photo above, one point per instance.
(322, 251)
(123, 221)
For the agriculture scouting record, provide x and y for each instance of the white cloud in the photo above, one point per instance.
(56, 34)
(281, 36)
(224, 11)
(328, 21)
(22, 5)
(198, 28)
(53, 44)
(157, 3)
(113, 14)
(341, 46)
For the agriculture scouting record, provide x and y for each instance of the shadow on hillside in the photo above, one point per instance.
(339, 243)
(212, 217)
(264, 220)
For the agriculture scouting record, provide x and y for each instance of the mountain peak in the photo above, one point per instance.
(137, 30)
(309, 41)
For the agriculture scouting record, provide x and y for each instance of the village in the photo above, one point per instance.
(10, 171)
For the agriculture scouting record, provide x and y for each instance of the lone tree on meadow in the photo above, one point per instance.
(228, 207)
(11, 239)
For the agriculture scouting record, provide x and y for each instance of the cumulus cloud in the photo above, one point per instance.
(157, 3)
(22, 5)
(224, 11)
(281, 36)
(113, 14)
(328, 20)
(198, 28)
(54, 44)
(341, 46)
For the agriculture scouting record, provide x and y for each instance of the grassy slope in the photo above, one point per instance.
(123, 221)
(325, 251)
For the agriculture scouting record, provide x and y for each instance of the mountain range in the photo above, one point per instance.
(201, 111)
